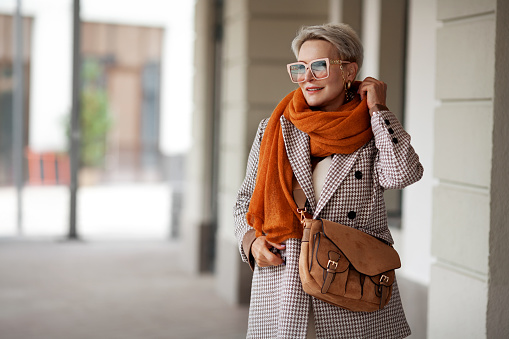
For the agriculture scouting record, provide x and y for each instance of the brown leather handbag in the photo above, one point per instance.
(344, 266)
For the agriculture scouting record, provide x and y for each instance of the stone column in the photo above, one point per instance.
(469, 280)
(197, 217)
(497, 324)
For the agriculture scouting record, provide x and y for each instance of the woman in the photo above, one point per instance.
(344, 147)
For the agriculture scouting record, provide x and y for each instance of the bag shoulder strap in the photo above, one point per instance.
(298, 194)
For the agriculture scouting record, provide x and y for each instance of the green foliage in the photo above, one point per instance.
(95, 118)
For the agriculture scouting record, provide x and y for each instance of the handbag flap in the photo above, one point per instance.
(326, 251)
(366, 253)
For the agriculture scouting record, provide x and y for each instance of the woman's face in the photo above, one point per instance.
(327, 94)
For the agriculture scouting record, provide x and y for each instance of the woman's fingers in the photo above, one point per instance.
(276, 245)
(262, 254)
(269, 259)
(375, 91)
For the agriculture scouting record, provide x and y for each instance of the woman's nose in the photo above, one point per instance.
(308, 76)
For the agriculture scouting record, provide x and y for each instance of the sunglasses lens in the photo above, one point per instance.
(297, 72)
(319, 69)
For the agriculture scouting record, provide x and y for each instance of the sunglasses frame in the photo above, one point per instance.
(307, 66)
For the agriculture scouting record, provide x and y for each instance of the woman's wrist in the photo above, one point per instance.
(247, 243)
(377, 108)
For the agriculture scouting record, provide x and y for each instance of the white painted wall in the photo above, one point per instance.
(462, 167)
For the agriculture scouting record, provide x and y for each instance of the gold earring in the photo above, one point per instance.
(348, 85)
(349, 95)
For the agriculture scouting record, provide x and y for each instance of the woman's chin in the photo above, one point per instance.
(312, 100)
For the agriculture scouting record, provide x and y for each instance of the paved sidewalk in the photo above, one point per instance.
(108, 290)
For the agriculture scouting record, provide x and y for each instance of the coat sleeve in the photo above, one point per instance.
(243, 231)
(397, 164)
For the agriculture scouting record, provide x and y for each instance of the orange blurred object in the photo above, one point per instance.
(47, 168)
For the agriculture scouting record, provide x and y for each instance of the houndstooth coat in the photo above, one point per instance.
(352, 195)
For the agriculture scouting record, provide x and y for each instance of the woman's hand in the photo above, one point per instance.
(375, 90)
(262, 254)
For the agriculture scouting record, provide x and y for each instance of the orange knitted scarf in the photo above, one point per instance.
(272, 210)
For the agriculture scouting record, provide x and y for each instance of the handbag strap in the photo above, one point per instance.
(298, 194)
(300, 199)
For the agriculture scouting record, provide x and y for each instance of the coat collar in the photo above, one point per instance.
(298, 152)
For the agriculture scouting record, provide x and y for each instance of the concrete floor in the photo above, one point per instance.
(108, 290)
(123, 290)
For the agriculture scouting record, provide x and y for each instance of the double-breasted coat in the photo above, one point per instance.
(352, 195)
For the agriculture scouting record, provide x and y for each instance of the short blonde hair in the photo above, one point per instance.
(341, 36)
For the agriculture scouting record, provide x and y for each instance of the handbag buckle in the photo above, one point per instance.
(302, 212)
(384, 279)
(332, 263)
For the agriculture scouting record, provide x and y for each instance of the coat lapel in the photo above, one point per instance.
(341, 165)
(297, 150)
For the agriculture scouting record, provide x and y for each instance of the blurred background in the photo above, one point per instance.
(125, 128)
(132, 139)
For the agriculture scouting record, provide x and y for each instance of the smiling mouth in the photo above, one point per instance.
(314, 89)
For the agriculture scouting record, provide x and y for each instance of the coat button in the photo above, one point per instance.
(358, 174)
(391, 131)
(387, 122)
(352, 215)
(395, 140)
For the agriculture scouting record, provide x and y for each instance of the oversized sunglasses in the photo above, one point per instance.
(319, 69)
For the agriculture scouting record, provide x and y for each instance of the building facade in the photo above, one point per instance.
(133, 49)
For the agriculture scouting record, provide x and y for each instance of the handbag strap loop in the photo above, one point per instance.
(300, 199)
(298, 194)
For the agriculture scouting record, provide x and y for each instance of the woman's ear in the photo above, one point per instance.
(351, 71)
